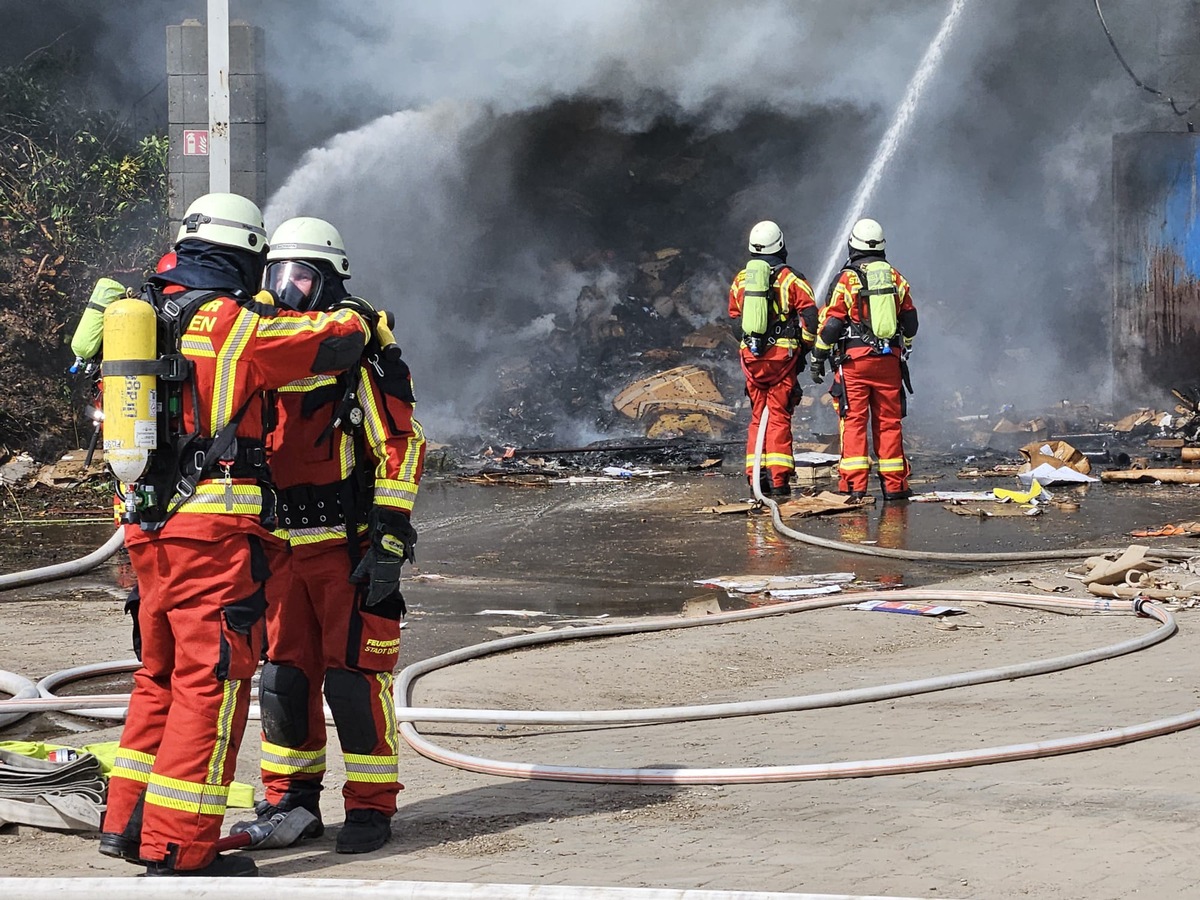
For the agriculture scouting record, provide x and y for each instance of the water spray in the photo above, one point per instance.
(891, 140)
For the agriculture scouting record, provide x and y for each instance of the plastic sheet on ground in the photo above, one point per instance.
(780, 585)
(909, 609)
(1047, 473)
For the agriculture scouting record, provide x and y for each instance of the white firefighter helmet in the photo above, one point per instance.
(866, 235)
(307, 238)
(766, 238)
(226, 219)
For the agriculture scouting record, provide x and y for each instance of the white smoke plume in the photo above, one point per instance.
(487, 161)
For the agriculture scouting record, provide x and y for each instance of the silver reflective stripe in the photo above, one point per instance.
(319, 248)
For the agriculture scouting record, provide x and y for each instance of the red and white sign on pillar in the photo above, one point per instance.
(195, 142)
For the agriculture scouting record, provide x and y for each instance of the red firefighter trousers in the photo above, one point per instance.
(872, 392)
(202, 623)
(316, 623)
(771, 386)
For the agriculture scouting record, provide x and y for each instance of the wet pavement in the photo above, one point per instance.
(499, 557)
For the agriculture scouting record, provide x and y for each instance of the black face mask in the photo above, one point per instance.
(213, 267)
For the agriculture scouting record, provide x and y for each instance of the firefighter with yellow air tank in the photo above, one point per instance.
(185, 428)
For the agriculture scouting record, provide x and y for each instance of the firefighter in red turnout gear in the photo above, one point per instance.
(772, 349)
(347, 458)
(868, 327)
(200, 536)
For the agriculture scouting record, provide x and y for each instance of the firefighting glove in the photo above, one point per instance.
(392, 539)
(364, 309)
(816, 370)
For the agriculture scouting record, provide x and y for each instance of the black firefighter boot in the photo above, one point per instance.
(365, 830)
(233, 865)
(126, 843)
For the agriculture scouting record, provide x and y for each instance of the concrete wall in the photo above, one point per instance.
(187, 103)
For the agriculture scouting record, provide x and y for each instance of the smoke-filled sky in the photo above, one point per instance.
(485, 160)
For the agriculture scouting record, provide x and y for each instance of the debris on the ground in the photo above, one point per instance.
(1049, 587)
(997, 510)
(908, 609)
(1007, 434)
(18, 470)
(1036, 494)
(1141, 420)
(682, 400)
(824, 502)
(953, 497)
(1101, 570)
(624, 472)
(1163, 476)
(722, 508)
(70, 470)
(1000, 470)
(812, 466)
(1169, 530)
(782, 587)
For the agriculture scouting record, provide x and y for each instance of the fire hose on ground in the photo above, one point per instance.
(107, 705)
(408, 714)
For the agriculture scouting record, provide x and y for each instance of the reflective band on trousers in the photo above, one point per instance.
(855, 464)
(778, 460)
(286, 761)
(891, 465)
(187, 796)
(375, 769)
(133, 765)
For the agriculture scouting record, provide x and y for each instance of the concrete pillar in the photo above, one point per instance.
(187, 102)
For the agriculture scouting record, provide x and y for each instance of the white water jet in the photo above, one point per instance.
(891, 140)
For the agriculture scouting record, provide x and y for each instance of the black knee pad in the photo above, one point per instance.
(283, 698)
(349, 696)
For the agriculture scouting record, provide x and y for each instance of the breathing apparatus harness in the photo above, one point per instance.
(180, 459)
(762, 324)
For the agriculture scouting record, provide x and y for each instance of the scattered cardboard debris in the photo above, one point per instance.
(824, 502)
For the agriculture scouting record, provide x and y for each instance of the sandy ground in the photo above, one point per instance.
(1103, 824)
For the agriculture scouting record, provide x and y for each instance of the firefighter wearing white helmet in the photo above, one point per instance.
(777, 314)
(306, 255)
(200, 530)
(866, 236)
(867, 328)
(347, 456)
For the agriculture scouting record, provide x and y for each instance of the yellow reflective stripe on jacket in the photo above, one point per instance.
(187, 796)
(197, 345)
(133, 765)
(288, 326)
(304, 385)
(395, 494)
(224, 737)
(225, 378)
(288, 761)
(210, 497)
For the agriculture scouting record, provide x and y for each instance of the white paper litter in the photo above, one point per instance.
(812, 458)
(1048, 474)
(961, 496)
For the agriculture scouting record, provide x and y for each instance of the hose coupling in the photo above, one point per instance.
(1139, 604)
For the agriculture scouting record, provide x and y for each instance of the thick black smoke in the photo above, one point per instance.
(499, 169)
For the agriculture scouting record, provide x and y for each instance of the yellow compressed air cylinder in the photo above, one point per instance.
(130, 399)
